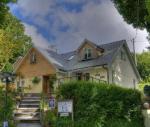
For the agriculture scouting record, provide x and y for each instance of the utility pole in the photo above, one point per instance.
(135, 60)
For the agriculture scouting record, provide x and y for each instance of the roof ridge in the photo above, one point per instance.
(113, 42)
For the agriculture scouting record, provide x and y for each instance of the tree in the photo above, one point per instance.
(135, 12)
(4, 9)
(144, 65)
(13, 42)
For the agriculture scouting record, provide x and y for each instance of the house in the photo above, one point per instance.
(110, 62)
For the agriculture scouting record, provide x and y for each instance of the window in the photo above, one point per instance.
(88, 53)
(123, 56)
(33, 58)
(79, 76)
(87, 76)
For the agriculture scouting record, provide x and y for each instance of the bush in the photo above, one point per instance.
(97, 104)
(6, 110)
(122, 123)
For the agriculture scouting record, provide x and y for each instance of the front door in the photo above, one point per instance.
(46, 84)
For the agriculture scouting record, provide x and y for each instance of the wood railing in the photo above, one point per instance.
(75, 78)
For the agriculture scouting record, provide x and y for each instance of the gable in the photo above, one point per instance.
(124, 66)
(95, 52)
(41, 67)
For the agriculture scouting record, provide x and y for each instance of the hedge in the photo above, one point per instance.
(97, 104)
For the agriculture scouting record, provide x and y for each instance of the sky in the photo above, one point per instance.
(66, 23)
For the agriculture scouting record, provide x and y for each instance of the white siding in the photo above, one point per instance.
(122, 72)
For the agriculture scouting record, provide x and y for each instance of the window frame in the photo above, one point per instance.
(33, 59)
(122, 55)
(87, 53)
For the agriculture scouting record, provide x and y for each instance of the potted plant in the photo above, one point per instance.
(36, 80)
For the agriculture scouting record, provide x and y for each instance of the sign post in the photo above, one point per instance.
(65, 108)
(5, 124)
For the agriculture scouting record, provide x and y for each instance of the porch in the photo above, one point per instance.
(35, 84)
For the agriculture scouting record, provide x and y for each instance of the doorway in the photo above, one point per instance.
(46, 88)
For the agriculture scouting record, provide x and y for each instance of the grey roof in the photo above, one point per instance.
(69, 61)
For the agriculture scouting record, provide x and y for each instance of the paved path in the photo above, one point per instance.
(29, 125)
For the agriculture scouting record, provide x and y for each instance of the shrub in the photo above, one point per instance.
(97, 103)
(6, 110)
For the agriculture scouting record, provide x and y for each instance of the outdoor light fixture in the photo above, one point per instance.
(7, 78)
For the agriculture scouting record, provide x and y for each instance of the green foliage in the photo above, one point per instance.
(122, 123)
(50, 118)
(135, 12)
(96, 104)
(36, 80)
(143, 65)
(64, 122)
(52, 80)
(13, 42)
(137, 15)
(4, 9)
(6, 110)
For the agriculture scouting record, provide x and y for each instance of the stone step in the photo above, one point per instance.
(27, 118)
(31, 109)
(29, 105)
(30, 101)
(31, 98)
(27, 113)
(32, 94)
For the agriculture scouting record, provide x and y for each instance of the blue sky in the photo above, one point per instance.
(66, 23)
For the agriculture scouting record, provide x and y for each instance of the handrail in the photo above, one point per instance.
(91, 78)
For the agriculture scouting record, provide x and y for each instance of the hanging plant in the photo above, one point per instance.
(36, 80)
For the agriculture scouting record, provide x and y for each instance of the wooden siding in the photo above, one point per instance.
(81, 52)
(41, 67)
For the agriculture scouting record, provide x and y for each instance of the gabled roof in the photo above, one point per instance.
(86, 41)
(69, 61)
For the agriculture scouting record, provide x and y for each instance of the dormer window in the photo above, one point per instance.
(33, 58)
(87, 53)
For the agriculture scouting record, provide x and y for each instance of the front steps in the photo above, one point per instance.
(28, 109)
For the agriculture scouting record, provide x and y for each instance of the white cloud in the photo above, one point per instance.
(99, 22)
(35, 7)
(37, 39)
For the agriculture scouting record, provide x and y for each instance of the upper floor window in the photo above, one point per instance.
(33, 58)
(87, 53)
(123, 56)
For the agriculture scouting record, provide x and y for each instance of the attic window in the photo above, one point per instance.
(123, 56)
(33, 58)
(87, 53)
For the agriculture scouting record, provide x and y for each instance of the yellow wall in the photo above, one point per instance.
(42, 67)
